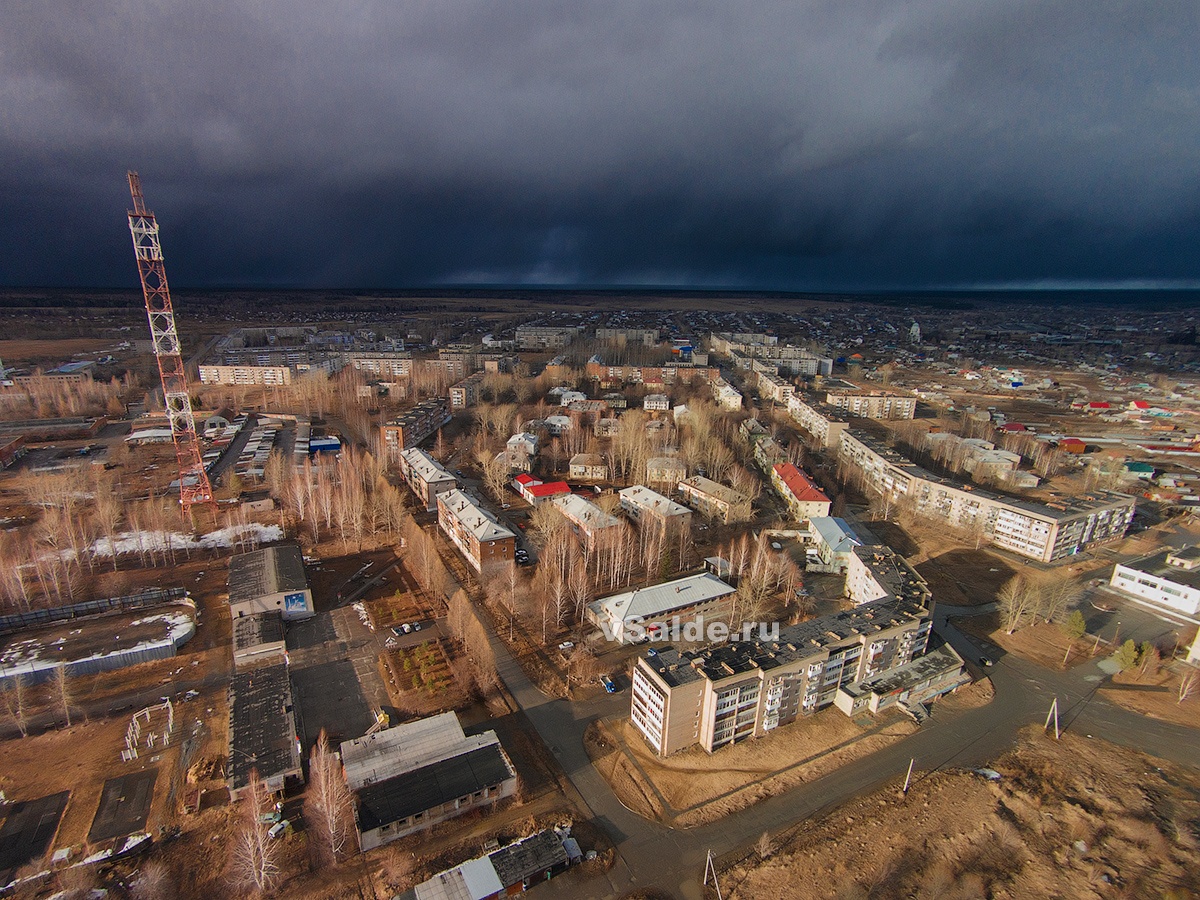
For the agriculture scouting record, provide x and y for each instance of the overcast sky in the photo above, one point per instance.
(805, 144)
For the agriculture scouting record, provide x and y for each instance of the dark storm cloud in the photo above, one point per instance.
(824, 144)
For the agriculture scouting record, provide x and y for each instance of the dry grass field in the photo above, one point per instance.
(1080, 819)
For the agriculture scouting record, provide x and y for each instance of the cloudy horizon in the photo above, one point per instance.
(820, 145)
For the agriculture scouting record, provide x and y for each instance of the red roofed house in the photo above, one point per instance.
(1138, 404)
(1098, 406)
(1012, 427)
(804, 499)
(1072, 445)
(536, 492)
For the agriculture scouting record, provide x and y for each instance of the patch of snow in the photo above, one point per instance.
(139, 541)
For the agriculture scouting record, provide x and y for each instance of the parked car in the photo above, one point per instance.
(280, 829)
(416, 626)
(566, 645)
(609, 685)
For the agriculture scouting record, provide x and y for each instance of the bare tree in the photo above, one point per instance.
(254, 856)
(1189, 681)
(153, 883)
(16, 703)
(328, 807)
(63, 688)
(1018, 600)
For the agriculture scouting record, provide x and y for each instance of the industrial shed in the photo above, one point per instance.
(270, 580)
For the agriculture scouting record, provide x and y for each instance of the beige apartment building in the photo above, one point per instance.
(486, 544)
(425, 476)
(824, 422)
(873, 404)
(743, 689)
(717, 501)
(1042, 531)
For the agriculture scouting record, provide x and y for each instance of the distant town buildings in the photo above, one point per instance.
(646, 337)
(555, 337)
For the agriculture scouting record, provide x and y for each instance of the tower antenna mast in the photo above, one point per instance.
(194, 486)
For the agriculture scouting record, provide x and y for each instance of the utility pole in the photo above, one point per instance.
(194, 486)
(908, 777)
(1053, 714)
(710, 867)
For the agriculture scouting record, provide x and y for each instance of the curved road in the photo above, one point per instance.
(654, 855)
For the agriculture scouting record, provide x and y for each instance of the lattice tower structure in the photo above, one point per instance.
(194, 486)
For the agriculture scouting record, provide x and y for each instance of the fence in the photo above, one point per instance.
(38, 617)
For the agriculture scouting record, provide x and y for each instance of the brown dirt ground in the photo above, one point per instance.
(691, 787)
(956, 835)
(1044, 644)
(1154, 695)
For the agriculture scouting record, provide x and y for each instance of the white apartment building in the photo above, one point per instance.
(647, 507)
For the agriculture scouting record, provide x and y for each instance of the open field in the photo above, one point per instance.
(1079, 818)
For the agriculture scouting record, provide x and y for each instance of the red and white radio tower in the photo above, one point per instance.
(194, 486)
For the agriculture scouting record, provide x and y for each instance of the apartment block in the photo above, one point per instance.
(877, 572)
(715, 500)
(824, 422)
(775, 387)
(873, 404)
(651, 509)
(647, 337)
(804, 499)
(265, 375)
(726, 395)
(465, 393)
(425, 476)
(382, 364)
(665, 472)
(536, 337)
(487, 545)
(588, 467)
(413, 426)
(593, 527)
(1042, 531)
(737, 690)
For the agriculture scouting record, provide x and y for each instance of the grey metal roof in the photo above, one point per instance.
(270, 570)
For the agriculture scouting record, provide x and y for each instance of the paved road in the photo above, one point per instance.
(653, 855)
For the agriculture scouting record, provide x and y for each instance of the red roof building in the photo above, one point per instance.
(536, 492)
(1012, 427)
(804, 499)
(1072, 445)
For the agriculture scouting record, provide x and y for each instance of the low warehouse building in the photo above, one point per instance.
(270, 580)
(409, 778)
